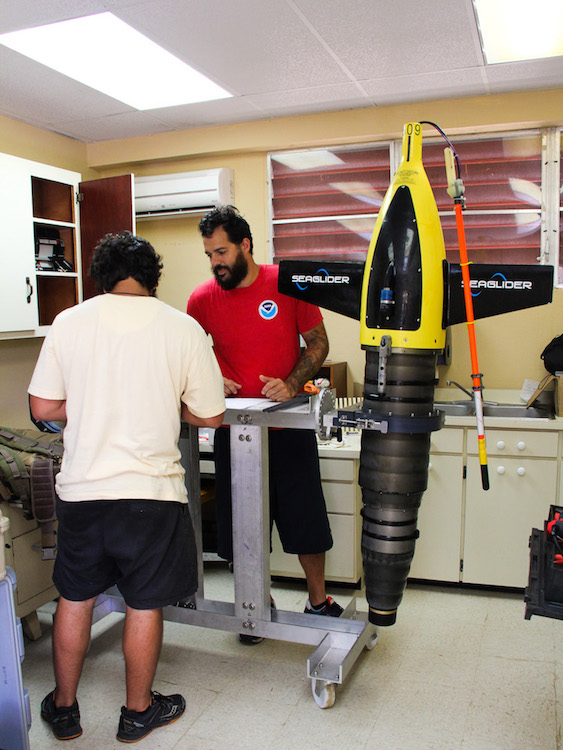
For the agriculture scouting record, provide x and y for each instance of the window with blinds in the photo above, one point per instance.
(324, 202)
(502, 178)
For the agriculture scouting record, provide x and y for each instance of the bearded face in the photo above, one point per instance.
(229, 276)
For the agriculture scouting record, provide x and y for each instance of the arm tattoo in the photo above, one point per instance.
(312, 358)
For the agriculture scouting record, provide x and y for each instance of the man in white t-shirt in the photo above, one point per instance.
(121, 370)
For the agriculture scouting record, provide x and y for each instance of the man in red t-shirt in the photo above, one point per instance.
(255, 332)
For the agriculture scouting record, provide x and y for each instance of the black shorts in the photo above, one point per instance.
(297, 504)
(145, 547)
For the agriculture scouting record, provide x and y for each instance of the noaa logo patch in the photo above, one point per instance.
(268, 309)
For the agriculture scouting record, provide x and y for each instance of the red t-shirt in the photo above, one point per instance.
(255, 329)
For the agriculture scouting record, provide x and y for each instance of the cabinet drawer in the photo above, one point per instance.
(33, 574)
(515, 443)
(207, 466)
(343, 561)
(340, 497)
(340, 469)
(18, 523)
(447, 440)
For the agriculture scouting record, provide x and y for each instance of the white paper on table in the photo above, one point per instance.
(259, 404)
(248, 403)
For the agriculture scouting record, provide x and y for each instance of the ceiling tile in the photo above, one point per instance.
(319, 98)
(525, 74)
(24, 14)
(127, 125)
(381, 38)
(31, 90)
(278, 57)
(425, 86)
(237, 109)
(248, 48)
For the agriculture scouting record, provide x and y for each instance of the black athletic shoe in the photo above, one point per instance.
(164, 709)
(64, 720)
(330, 608)
(250, 640)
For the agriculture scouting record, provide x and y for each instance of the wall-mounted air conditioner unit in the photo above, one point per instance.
(162, 196)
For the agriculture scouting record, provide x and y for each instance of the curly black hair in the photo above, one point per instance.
(228, 217)
(121, 256)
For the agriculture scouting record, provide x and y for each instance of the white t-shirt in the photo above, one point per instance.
(123, 364)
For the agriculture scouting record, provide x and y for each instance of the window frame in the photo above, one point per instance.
(550, 208)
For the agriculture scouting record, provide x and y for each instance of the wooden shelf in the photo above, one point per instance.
(337, 374)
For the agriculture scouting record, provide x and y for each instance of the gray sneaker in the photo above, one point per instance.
(328, 608)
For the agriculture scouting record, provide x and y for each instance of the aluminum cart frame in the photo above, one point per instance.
(337, 641)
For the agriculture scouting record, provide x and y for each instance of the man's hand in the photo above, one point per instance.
(276, 389)
(230, 387)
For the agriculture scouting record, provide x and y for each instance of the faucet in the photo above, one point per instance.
(461, 388)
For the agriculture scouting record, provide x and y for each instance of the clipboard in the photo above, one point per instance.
(546, 385)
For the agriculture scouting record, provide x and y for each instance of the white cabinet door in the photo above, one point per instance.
(18, 303)
(498, 523)
(40, 200)
(35, 198)
(437, 552)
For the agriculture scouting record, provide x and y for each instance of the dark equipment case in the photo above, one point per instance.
(544, 593)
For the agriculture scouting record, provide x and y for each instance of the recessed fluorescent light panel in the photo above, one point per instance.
(110, 56)
(520, 29)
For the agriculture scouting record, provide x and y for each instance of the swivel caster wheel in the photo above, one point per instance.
(324, 693)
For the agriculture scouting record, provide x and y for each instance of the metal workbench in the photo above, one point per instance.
(337, 642)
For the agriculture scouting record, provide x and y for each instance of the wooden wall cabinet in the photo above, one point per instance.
(45, 254)
(37, 207)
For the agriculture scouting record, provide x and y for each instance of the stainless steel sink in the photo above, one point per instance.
(518, 411)
(456, 408)
(508, 411)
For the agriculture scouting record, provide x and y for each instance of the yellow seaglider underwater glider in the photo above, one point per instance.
(404, 295)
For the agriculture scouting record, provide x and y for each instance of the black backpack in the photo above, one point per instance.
(552, 355)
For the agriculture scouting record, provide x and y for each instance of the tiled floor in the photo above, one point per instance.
(460, 670)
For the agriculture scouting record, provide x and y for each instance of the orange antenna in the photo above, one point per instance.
(456, 191)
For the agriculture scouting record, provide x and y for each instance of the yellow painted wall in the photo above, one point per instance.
(509, 345)
(30, 142)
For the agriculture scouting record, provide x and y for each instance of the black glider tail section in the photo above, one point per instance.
(497, 289)
(333, 285)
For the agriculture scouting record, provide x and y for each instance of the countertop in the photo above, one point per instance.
(499, 396)
(349, 447)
